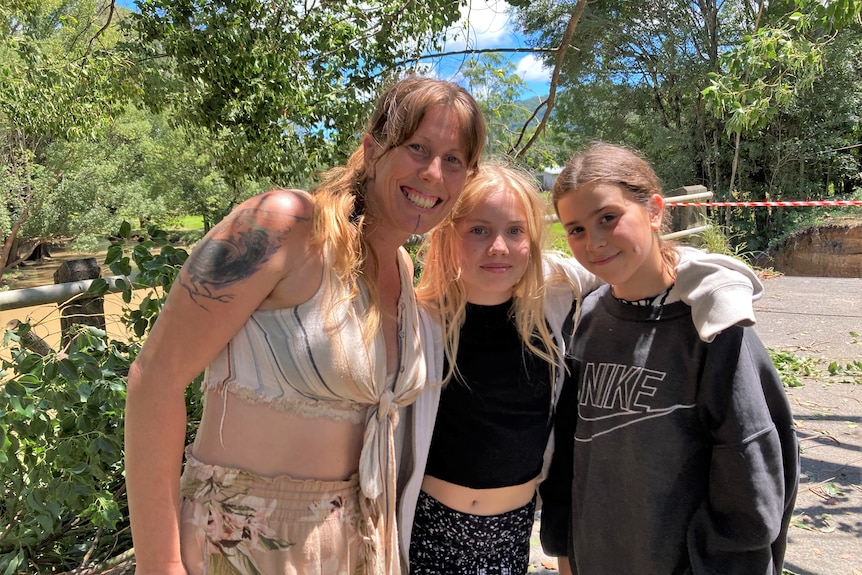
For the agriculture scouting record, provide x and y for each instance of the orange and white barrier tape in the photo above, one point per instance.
(790, 204)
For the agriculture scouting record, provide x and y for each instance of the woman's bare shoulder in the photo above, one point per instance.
(297, 204)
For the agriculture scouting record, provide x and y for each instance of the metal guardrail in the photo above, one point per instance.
(688, 197)
(57, 293)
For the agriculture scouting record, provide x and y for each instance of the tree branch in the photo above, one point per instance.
(479, 51)
(526, 124)
(561, 51)
(111, 8)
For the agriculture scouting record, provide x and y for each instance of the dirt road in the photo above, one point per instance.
(821, 318)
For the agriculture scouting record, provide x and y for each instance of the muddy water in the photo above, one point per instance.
(35, 274)
(45, 319)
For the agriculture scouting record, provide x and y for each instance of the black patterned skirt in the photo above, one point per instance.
(448, 542)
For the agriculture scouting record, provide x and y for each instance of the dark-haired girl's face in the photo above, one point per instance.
(614, 237)
(413, 186)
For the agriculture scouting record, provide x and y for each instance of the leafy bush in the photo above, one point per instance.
(61, 426)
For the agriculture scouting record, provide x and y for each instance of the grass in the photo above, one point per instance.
(557, 238)
(187, 223)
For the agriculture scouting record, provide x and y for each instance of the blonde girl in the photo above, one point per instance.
(484, 283)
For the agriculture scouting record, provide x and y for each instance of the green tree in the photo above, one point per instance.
(183, 174)
(677, 80)
(280, 88)
(635, 74)
(60, 78)
(510, 120)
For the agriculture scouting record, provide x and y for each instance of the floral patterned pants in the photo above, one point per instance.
(235, 522)
(447, 542)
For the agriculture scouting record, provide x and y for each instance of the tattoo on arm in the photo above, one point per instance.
(229, 255)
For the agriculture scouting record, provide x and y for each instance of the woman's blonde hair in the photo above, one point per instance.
(441, 289)
(621, 166)
(339, 213)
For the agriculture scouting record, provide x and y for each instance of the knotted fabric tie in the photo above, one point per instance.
(377, 479)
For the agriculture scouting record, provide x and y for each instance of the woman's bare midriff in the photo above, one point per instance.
(479, 501)
(270, 443)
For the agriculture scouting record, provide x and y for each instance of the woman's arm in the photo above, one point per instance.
(244, 262)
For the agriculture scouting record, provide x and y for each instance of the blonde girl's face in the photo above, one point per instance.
(494, 246)
(616, 238)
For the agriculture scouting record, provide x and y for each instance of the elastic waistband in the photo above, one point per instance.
(202, 482)
(459, 516)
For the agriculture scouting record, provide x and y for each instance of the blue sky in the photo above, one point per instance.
(486, 24)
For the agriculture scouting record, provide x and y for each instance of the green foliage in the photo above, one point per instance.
(680, 81)
(763, 74)
(61, 78)
(792, 367)
(850, 372)
(773, 65)
(510, 121)
(155, 274)
(61, 426)
(716, 240)
(281, 88)
(61, 458)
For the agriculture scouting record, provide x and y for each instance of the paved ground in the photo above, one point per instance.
(819, 319)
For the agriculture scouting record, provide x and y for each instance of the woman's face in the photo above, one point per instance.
(494, 246)
(412, 187)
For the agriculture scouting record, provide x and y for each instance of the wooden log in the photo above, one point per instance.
(30, 340)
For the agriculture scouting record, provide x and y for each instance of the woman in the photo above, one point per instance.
(301, 309)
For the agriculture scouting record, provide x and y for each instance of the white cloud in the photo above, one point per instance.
(487, 24)
(483, 24)
(532, 69)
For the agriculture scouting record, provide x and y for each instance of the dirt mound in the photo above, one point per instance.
(831, 250)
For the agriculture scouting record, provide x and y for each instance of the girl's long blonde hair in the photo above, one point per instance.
(441, 289)
(340, 203)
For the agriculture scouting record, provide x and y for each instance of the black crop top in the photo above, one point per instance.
(494, 418)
